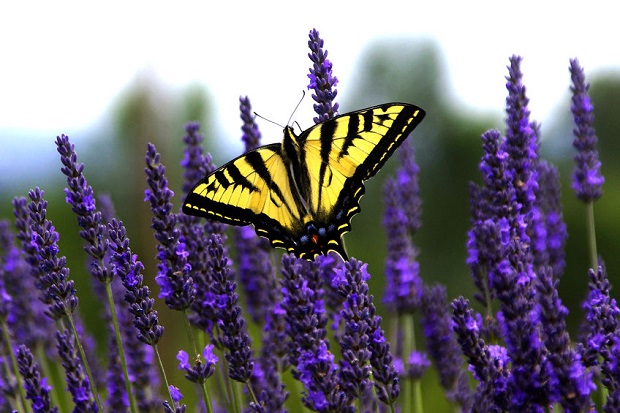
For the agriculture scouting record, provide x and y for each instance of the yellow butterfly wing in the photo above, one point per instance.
(251, 189)
(343, 152)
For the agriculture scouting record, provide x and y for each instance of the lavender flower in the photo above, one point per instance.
(408, 187)
(512, 279)
(443, 346)
(24, 313)
(363, 334)
(273, 361)
(195, 163)
(37, 390)
(251, 134)
(493, 209)
(403, 291)
(80, 196)
(416, 365)
(176, 398)
(603, 335)
(176, 285)
(57, 290)
(137, 302)
(521, 141)
(587, 178)
(601, 319)
(492, 393)
(571, 384)
(78, 384)
(359, 316)
(511, 211)
(550, 230)
(322, 82)
(385, 376)
(201, 370)
(230, 322)
(128, 269)
(309, 349)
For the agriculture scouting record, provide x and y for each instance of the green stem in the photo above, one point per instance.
(119, 347)
(162, 371)
(6, 338)
(591, 235)
(190, 332)
(252, 394)
(236, 397)
(414, 388)
(206, 396)
(78, 342)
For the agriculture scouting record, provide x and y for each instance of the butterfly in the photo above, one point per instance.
(301, 194)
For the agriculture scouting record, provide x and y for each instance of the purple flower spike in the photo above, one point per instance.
(176, 397)
(602, 318)
(521, 140)
(127, 267)
(195, 163)
(77, 382)
(360, 321)
(364, 335)
(550, 230)
(273, 361)
(587, 178)
(81, 197)
(25, 314)
(571, 383)
(309, 349)
(230, 321)
(408, 187)
(176, 285)
(321, 80)
(57, 290)
(251, 134)
(489, 369)
(443, 346)
(37, 390)
(403, 291)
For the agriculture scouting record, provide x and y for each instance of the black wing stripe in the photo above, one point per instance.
(328, 129)
(239, 179)
(368, 120)
(255, 160)
(352, 130)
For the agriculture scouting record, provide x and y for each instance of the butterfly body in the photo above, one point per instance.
(302, 193)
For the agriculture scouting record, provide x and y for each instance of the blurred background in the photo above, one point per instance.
(118, 76)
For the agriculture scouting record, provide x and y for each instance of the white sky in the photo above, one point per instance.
(63, 63)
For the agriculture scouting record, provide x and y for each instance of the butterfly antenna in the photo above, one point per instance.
(268, 120)
(303, 95)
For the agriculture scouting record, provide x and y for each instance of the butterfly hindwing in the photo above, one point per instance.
(251, 189)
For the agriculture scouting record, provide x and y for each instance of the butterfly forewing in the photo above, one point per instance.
(251, 189)
(345, 151)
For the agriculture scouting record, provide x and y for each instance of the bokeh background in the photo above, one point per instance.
(118, 75)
